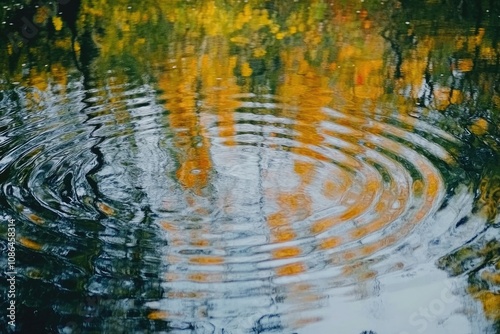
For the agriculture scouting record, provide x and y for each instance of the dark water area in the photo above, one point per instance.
(250, 166)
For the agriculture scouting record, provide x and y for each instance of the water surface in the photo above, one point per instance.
(252, 167)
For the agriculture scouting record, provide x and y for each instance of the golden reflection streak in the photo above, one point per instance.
(30, 243)
(219, 88)
(304, 93)
(191, 140)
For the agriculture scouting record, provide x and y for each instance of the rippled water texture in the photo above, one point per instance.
(252, 168)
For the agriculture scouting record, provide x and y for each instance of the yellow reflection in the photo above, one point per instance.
(330, 243)
(158, 315)
(323, 225)
(489, 196)
(191, 138)
(169, 226)
(207, 260)
(106, 209)
(283, 235)
(491, 304)
(479, 126)
(36, 219)
(286, 252)
(201, 277)
(290, 269)
(220, 87)
(30, 243)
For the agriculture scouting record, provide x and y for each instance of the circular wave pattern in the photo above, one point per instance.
(216, 205)
(289, 196)
(356, 191)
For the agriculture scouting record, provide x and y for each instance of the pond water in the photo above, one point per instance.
(251, 166)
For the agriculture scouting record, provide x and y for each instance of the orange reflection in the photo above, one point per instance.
(207, 260)
(36, 219)
(286, 252)
(220, 87)
(290, 269)
(106, 209)
(304, 93)
(191, 140)
(491, 304)
(330, 243)
(30, 243)
(158, 315)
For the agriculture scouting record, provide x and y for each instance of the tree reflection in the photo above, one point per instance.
(439, 63)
